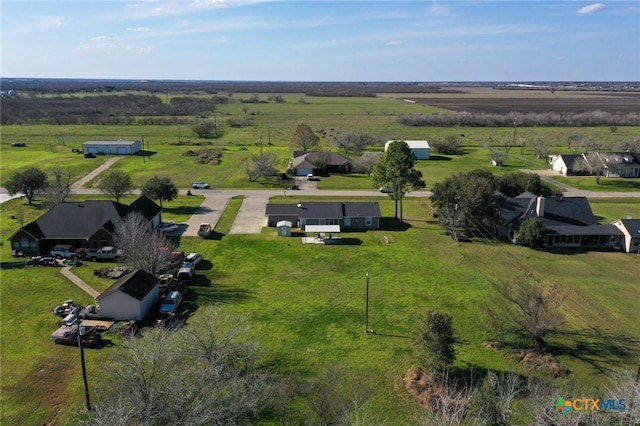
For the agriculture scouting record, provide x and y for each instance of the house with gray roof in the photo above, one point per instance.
(319, 162)
(569, 221)
(131, 297)
(361, 215)
(118, 147)
(615, 164)
(631, 230)
(88, 224)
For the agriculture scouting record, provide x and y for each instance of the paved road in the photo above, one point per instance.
(251, 216)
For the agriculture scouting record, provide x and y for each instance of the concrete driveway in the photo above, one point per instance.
(209, 211)
(251, 216)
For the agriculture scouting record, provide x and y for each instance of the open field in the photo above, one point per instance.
(306, 306)
(306, 302)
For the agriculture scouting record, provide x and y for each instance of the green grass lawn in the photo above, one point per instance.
(306, 307)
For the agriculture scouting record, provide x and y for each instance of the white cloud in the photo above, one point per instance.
(393, 43)
(103, 43)
(139, 29)
(592, 8)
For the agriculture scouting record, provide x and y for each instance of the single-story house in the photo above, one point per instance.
(569, 221)
(131, 297)
(631, 230)
(420, 149)
(347, 215)
(319, 162)
(119, 147)
(88, 224)
(615, 164)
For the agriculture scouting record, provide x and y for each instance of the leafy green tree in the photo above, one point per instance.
(515, 183)
(532, 231)
(434, 341)
(116, 184)
(304, 138)
(28, 181)
(466, 201)
(396, 169)
(160, 188)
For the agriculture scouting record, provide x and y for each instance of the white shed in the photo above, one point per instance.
(119, 147)
(131, 297)
(284, 228)
(420, 149)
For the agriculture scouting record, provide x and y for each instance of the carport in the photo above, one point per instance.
(320, 232)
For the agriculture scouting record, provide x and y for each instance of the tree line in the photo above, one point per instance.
(547, 119)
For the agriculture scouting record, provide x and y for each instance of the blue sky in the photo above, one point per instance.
(322, 40)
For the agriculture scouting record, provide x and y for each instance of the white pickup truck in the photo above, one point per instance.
(205, 230)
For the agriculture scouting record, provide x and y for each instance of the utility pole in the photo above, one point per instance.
(81, 333)
(366, 312)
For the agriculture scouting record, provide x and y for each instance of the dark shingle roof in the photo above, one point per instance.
(320, 211)
(80, 219)
(282, 209)
(146, 206)
(570, 159)
(633, 226)
(584, 230)
(136, 284)
(362, 209)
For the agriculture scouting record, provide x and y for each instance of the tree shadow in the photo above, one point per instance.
(204, 265)
(594, 346)
(184, 210)
(439, 158)
(215, 235)
(393, 224)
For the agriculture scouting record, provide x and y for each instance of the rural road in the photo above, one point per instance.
(251, 216)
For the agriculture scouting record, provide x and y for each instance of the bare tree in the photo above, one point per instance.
(573, 137)
(364, 163)
(497, 158)
(63, 138)
(540, 148)
(142, 246)
(353, 141)
(449, 403)
(590, 164)
(168, 378)
(59, 188)
(494, 398)
(531, 308)
(261, 166)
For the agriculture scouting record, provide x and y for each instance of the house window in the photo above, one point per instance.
(24, 244)
(15, 245)
(367, 221)
(34, 246)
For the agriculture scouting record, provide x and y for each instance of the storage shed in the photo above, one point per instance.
(119, 147)
(131, 297)
(420, 149)
(284, 228)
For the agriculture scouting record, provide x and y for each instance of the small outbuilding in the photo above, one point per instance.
(131, 297)
(284, 228)
(119, 147)
(420, 149)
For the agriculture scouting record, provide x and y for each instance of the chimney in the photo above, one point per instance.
(540, 206)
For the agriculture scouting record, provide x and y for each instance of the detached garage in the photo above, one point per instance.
(119, 147)
(131, 297)
(420, 149)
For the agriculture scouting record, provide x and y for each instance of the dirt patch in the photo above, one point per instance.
(537, 361)
(45, 387)
(419, 384)
(493, 346)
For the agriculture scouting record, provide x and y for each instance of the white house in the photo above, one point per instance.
(631, 230)
(420, 149)
(131, 297)
(119, 147)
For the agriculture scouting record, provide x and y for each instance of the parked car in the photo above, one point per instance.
(66, 307)
(387, 190)
(168, 227)
(67, 251)
(68, 335)
(171, 303)
(185, 273)
(310, 176)
(42, 261)
(200, 185)
(192, 259)
(105, 253)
